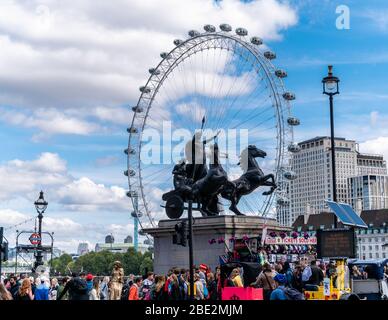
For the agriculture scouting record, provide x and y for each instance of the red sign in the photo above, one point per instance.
(233, 293)
(35, 238)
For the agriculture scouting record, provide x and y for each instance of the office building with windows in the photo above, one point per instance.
(308, 193)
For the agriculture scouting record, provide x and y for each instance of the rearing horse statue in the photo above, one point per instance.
(252, 178)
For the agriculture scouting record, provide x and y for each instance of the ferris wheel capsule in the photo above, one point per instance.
(256, 41)
(270, 55)
(282, 200)
(209, 28)
(130, 173)
(294, 147)
(132, 194)
(137, 109)
(289, 96)
(145, 89)
(241, 31)
(136, 215)
(132, 130)
(225, 27)
(292, 121)
(154, 71)
(290, 175)
(178, 42)
(194, 33)
(281, 73)
(129, 151)
(165, 55)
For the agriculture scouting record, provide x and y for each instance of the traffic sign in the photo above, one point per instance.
(35, 238)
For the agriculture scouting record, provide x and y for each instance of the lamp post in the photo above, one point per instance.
(330, 88)
(40, 206)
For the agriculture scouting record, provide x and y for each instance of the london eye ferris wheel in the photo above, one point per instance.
(227, 78)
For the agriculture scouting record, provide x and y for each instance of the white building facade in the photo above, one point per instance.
(368, 192)
(308, 193)
(313, 185)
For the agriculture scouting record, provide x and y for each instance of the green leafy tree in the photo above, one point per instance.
(101, 263)
(61, 263)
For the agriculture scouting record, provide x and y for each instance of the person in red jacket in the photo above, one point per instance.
(134, 290)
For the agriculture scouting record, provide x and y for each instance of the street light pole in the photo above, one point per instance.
(334, 179)
(40, 206)
(330, 88)
(191, 255)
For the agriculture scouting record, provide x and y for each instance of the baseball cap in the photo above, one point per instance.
(281, 278)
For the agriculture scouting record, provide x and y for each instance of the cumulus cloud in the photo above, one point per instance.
(376, 146)
(88, 54)
(49, 172)
(84, 194)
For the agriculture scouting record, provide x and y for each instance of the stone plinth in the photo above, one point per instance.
(167, 254)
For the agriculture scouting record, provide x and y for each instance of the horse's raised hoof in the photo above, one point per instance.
(236, 211)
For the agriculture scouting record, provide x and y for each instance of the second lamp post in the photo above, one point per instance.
(330, 88)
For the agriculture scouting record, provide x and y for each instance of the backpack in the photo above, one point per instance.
(205, 292)
(125, 292)
(80, 286)
(293, 294)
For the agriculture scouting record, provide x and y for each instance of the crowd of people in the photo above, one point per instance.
(279, 281)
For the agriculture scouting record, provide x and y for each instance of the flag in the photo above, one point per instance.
(223, 259)
(263, 235)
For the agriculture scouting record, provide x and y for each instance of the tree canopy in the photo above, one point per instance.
(101, 263)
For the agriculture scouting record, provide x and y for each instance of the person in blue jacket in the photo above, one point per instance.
(278, 293)
(42, 290)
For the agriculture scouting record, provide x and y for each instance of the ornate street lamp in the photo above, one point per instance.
(40, 206)
(330, 88)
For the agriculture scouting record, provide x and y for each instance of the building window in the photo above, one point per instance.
(376, 247)
(377, 255)
(370, 248)
(370, 256)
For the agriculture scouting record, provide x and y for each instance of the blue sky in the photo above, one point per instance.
(65, 91)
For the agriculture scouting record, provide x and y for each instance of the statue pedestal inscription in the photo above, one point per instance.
(168, 255)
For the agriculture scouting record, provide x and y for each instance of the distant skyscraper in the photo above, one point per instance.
(307, 194)
(83, 248)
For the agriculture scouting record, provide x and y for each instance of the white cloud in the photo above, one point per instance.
(376, 146)
(10, 217)
(24, 178)
(84, 194)
(88, 54)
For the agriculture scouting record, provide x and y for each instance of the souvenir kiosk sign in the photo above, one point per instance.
(291, 240)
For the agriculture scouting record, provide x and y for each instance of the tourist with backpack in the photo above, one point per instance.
(147, 285)
(284, 293)
(77, 288)
(266, 281)
(278, 293)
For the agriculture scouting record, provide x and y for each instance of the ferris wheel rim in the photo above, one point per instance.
(266, 65)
